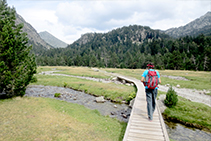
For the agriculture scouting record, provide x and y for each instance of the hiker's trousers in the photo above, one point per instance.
(151, 95)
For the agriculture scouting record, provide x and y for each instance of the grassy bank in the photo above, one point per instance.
(197, 79)
(111, 91)
(49, 119)
(186, 112)
(191, 114)
(76, 71)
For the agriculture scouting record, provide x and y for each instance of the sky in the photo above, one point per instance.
(69, 19)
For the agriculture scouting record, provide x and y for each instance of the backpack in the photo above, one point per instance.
(151, 79)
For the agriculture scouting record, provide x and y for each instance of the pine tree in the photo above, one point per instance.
(175, 61)
(17, 65)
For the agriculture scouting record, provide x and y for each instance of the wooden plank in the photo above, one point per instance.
(146, 122)
(142, 139)
(155, 118)
(144, 136)
(145, 125)
(146, 128)
(146, 132)
(139, 128)
(163, 125)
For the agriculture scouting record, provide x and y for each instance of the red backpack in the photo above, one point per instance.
(151, 79)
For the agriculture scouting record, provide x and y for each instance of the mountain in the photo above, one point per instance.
(34, 38)
(134, 34)
(53, 41)
(199, 26)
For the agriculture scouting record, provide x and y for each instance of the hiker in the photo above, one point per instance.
(151, 89)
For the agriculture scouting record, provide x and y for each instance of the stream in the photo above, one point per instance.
(114, 110)
(175, 131)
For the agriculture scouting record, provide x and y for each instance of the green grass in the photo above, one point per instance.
(111, 91)
(76, 71)
(46, 68)
(160, 93)
(32, 119)
(49, 119)
(135, 73)
(199, 80)
(191, 114)
(186, 112)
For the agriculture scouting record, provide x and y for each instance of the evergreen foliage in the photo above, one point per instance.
(17, 65)
(171, 98)
(104, 50)
(132, 47)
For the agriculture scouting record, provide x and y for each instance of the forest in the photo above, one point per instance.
(121, 49)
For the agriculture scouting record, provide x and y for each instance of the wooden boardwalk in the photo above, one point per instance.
(139, 128)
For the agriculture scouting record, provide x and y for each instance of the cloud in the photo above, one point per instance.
(67, 20)
(92, 14)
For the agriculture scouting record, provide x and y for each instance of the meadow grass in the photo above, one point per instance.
(198, 80)
(186, 112)
(33, 119)
(135, 73)
(30, 118)
(110, 91)
(46, 68)
(76, 71)
(192, 114)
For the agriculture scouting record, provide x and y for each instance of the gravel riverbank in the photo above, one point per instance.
(107, 108)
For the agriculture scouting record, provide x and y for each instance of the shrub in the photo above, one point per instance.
(65, 84)
(171, 98)
(86, 91)
(34, 79)
(57, 95)
(131, 96)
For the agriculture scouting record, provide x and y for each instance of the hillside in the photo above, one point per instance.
(52, 40)
(134, 34)
(201, 25)
(133, 47)
(39, 44)
(117, 48)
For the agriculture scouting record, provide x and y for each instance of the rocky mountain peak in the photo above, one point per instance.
(200, 25)
(32, 34)
(85, 38)
(52, 40)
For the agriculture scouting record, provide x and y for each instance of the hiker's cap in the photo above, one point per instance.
(150, 65)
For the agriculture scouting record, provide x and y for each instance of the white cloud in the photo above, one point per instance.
(45, 17)
(67, 20)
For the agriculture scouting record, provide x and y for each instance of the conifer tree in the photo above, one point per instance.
(17, 65)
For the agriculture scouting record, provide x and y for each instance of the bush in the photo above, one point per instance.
(34, 79)
(171, 98)
(57, 95)
(65, 84)
(131, 96)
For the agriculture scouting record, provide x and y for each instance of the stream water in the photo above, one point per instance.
(114, 110)
(175, 131)
(179, 132)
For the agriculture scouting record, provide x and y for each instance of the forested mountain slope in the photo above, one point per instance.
(133, 47)
(38, 44)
